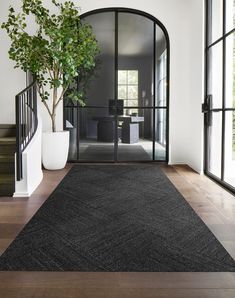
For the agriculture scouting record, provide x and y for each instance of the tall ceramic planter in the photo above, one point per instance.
(55, 148)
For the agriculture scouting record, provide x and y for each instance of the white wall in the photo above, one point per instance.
(195, 84)
(12, 81)
(184, 21)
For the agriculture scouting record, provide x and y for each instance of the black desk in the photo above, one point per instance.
(129, 132)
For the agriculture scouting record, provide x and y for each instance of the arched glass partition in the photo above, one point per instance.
(126, 113)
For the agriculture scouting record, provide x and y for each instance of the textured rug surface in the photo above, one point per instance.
(116, 218)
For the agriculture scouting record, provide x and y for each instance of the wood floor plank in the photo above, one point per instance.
(4, 243)
(178, 280)
(116, 293)
(125, 280)
(22, 219)
(212, 218)
(19, 210)
(230, 247)
(225, 232)
(10, 230)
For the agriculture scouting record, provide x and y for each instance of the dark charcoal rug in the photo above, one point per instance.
(104, 152)
(116, 218)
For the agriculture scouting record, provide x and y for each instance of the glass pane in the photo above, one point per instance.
(97, 131)
(215, 74)
(135, 55)
(215, 141)
(122, 92)
(230, 15)
(229, 169)
(102, 86)
(132, 92)
(133, 77)
(161, 68)
(132, 103)
(160, 134)
(216, 25)
(122, 77)
(230, 71)
(135, 136)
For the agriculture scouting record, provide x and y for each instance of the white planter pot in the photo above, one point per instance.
(55, 148)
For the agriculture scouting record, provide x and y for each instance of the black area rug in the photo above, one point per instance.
(116, 218)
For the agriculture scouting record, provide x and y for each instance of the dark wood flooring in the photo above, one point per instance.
(213, 204)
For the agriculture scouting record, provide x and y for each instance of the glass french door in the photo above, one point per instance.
(219, 106)
(125, 117)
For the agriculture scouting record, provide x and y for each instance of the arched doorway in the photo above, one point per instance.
(127, 102)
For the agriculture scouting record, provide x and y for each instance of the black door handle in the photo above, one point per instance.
(207, 105)
(206, 109)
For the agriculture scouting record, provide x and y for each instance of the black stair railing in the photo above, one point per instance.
(26, 123)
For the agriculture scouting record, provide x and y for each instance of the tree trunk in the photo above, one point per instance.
(53, 123)
(53, 109)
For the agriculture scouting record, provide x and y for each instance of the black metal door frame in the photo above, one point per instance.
(208, 109)
(153, 108)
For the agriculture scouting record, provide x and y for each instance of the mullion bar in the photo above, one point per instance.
(222, 109)
(154, 89)
(78, 131)
(209, 21)
(167, 97)
(133, 107)
(224, 18)
(221, 38)
(206, 133)
(116, 88)
(78, 109)
(224, 91)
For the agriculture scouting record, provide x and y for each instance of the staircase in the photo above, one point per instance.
(7, 159)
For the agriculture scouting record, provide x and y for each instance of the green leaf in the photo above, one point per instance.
(62, 49)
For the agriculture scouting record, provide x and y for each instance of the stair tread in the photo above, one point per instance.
(11, 126)
(7, 158)
(7, 178)
(8, 141)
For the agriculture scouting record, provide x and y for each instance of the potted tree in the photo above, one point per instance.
(60, 49)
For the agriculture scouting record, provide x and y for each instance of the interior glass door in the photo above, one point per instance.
(95, 125)
(125, 113)
(214, 109)
(229, 136)
(141, 75)
(219, 106)
(135, 86)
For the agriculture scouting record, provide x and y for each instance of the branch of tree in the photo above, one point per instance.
(49, 72)
(62, 95)
(42, 92)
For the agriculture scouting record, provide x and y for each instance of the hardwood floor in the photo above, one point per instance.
(213, 204)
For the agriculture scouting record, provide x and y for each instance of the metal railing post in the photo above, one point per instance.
(26, 123)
